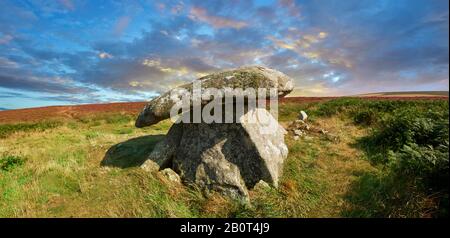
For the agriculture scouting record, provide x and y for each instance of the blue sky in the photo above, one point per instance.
(72, 52)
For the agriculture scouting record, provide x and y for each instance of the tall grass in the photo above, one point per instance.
(409, 140)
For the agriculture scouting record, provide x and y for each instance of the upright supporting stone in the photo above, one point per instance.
(225, 157)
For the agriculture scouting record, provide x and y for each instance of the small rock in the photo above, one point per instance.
(171, 175)
(296, 137)
(150, 166)
(298, 132)
(261, 185)
(303, 116)
(300, 124)
(307, 127)
(323, 131)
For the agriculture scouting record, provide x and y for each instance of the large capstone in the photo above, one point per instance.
(254, 77)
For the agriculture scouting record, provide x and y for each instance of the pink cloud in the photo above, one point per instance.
(68, 4)
(200, 14)
(121, 25)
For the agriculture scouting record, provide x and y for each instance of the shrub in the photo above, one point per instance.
(370, 112)
(8, 162)
(411, 125)
(409, 140)
(366, 118)
(334, 107)
(423, 161)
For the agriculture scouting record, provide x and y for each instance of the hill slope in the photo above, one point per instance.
(55, 112)
(299, 93)
(407, 94)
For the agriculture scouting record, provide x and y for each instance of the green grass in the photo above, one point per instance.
(384, 165)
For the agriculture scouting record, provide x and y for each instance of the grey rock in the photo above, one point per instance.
(299, 124)
(298, 132)
(218, 174)
(225, 157)
(270, 147)
(150, 166)
(171, 175)
(303, 116)
(323, 131)
(164, 151)
(306, 127)
(261, 185)
(247, 77)
(296, 137)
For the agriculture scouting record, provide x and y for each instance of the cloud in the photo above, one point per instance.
(310, 47)
(11, 94)
(52, 8)
(6, 63)
(291, 7)
(41, 84)
(68, 4)
(128, 75)
(104, 55)
(5, 39)
(121, 25)
(200, 14)
(178, 8)
(197, 65)
(315, 90)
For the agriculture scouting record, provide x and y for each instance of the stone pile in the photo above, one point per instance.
(300, 128)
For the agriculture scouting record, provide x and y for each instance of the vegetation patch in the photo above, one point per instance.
(9, 162)
(8, 129)
(412, 146)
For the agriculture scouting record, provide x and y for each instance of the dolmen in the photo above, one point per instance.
(224, 138)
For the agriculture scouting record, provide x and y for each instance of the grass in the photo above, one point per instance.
(407, 142)
(8, 129)
(52, 169)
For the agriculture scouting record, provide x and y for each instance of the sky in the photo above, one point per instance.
(73, 52)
